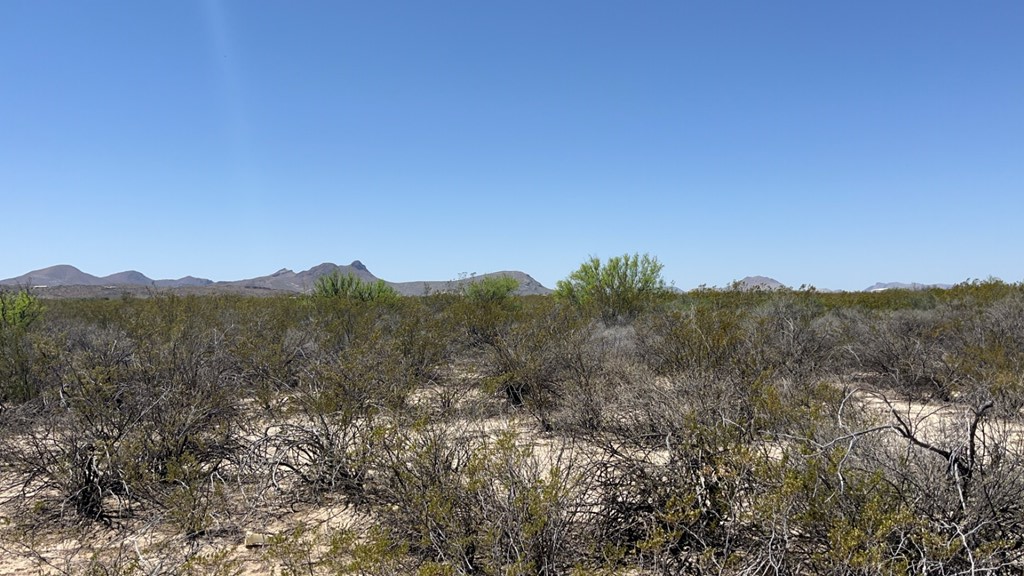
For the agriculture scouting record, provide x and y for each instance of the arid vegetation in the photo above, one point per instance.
(593, 432)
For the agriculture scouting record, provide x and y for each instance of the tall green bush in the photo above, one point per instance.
(488, 307)
(618, 289)
(492, 289)
(18, 311)
(350, 286)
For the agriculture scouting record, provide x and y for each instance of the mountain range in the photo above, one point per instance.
(65, 275)
(283, 280)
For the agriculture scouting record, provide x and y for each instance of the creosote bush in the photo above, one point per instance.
(482, 432)
(481, 506)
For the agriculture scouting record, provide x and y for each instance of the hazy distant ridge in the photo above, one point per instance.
(287, 280)
(66, 275)
(527, 284)
(283, 280)
(879, 286)
(290, 281)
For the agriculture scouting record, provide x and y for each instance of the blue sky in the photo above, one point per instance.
(827, 143)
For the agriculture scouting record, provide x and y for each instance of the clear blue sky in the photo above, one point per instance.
(828, 143)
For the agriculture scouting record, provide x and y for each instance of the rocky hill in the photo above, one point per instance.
(66, 275)
(757, 283)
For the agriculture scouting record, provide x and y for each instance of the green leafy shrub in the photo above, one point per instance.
(18, 353)
(19, 310)
(351, 287)
(491, 289)
(486, 309)
(616, 290)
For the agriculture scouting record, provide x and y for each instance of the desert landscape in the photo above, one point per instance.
(643, 289)
(611, 426)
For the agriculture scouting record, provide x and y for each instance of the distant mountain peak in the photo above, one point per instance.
(358, 265)
(59, 275)
(285, 279)
(187, 281)
(131, 277)
(757, 283)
